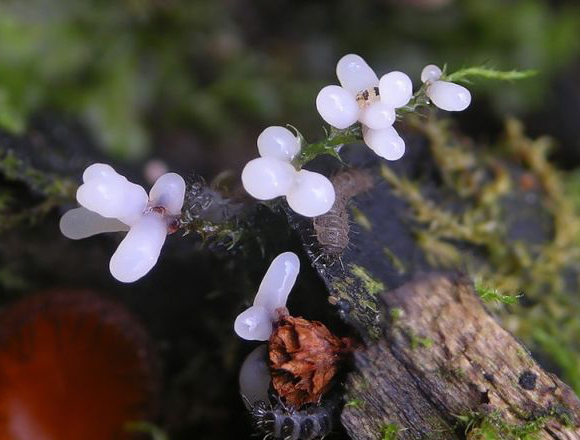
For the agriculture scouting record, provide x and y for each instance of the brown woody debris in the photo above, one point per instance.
(304, 357)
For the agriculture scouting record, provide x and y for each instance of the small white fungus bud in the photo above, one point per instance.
(337, 106)
(278, 282)
(378, 115)
(140, 249)
(254, 324)
(278, 143)
(311, 195)
(449, 96)
(81, 223)
(355, 74)
(386, 143)
(266, 178)
(168, 192)
(395, 89)
(254, 376)
(430, 73)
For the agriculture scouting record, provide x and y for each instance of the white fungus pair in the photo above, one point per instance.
(273, 175)
(255, 323)
(110, 203)
(373, 102)
(444, 94)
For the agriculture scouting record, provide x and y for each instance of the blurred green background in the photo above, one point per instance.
(195, 81)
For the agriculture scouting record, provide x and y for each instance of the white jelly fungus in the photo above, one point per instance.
(278, 143)
(254, 378)
(255, 323)
(272, 175)
(356, 99)
(386, 143)
(266, 178)
(311, 195)
(444, 94)
(110, 203)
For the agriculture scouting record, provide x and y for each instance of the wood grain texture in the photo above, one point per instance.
(445, 355)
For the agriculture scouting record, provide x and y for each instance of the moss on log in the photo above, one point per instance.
(445, 366)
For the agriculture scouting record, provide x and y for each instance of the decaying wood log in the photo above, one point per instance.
(443, 358)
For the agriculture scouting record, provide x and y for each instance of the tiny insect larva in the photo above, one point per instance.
(332, 229)
(287, 423)
(367, 97)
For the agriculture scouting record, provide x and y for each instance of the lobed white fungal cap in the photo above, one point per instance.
(278, 282)
(111, 195)
(431, 73)
(378, 115)
(311, 195)
(395, 89)
(254, 324)
(140, 249)
(254, 376)
(449, 96)
(337, 106)
(168, 192)
(278, 143)
(385, 143)
(265, 178)
(81, 223)
(355, 74)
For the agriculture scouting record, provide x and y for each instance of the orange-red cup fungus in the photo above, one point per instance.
(73, 366)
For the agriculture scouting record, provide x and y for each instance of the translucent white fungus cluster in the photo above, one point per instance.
(111, 203)
(272, 175)
(373, 102)
(444, 94)
(364, 97)
(255, 323)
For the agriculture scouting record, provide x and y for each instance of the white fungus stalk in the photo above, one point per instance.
(255, 323)
(111, 203)
(254, 378)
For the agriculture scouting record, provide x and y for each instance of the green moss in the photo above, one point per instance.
(355, 403)
(418, 341)
(396, 313)
(492, 426)
(390, 431)
(395, 261)
(489, 294)
(473, 232)
(361, 219)
(372, 285)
